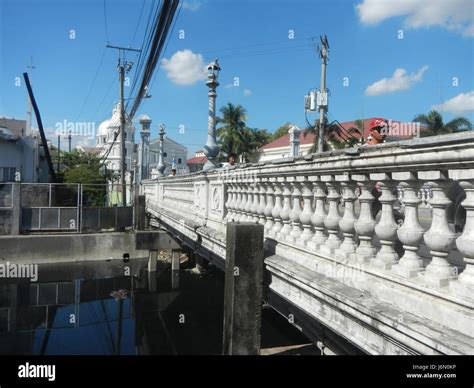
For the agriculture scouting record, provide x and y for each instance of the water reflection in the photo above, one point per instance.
(76, 309)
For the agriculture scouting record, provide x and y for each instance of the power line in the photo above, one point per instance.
(161, 30)
(92, 85)
(105, 23)
(166, 45)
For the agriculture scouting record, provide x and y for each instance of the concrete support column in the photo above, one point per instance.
(243, 289)
(16, 208)
(175, 256)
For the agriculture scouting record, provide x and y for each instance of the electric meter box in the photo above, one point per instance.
(322, 99)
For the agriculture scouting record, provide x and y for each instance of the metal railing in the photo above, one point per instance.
(75, 207)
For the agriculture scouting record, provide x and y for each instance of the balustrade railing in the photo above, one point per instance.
(325, 206)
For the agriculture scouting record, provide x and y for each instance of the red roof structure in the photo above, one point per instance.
(284, 140)
(197, 160)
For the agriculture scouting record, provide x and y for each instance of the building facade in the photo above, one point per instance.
(21, 153)
(108, 144)
(174, 156)
(280, 148)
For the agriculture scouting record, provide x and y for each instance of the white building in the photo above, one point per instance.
(21, 153)
(107, 141)
(174, 154)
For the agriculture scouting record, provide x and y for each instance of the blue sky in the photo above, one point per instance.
(251, 39)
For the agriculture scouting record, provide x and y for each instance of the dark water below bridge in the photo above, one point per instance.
(69, 310)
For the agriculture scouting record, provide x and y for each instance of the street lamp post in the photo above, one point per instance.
(211, 149)
(161, 165)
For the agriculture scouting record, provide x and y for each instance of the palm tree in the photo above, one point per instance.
(335, 137)
(232, 132)
(254, 138)
(436, 126)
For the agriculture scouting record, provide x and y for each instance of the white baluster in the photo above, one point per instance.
(464, 285)
(269, 193)
(278, 224)
(346, 224)
(238, 201)
(411, 232)
(246, 201)
(440, 237)
(386, 229)
(295, 211)
(261, 201)
(331, 222)
(285, 212)
(254, 205)
(228, 204)
(365, 224)
(307, 212)
(319, 215)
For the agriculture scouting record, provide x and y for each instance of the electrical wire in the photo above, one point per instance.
(105, 23)
(92, 85)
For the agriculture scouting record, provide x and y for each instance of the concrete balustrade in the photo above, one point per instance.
(318, 215)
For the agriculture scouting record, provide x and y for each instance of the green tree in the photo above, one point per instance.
(82, 167)
(282, 131)
(231, 133)
(334, 137)
(254, 138)
(87, 169)
(436, 126)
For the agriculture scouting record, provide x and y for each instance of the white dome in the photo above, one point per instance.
(110, 125)
(104, 125)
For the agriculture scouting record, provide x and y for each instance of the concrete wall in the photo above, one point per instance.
(68, 248)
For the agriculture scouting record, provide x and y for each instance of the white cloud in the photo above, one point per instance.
(185, 67)
(247, 92)
(228, 86)
(457, 15)
(462, 103)
(191, 5)
(398, 81)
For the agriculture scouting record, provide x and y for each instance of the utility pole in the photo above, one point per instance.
(322, 98)
(69, 137)
(29, 113)
(122, 67)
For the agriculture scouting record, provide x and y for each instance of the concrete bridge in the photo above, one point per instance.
(386, 286)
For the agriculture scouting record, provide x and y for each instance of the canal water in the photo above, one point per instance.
(118, 307)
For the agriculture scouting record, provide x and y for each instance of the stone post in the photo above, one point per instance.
(243, 289)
